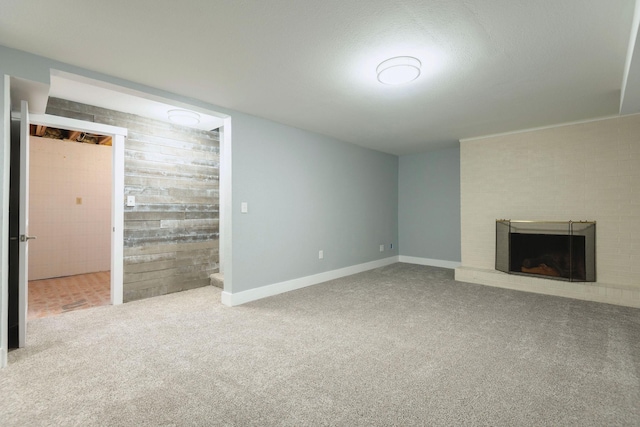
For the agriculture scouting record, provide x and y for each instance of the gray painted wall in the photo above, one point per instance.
(306, 192)
(429, 205)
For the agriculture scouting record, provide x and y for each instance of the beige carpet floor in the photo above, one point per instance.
(401, 345)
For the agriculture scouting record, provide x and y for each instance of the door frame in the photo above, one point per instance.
(118, 136)
(23, 221)
(5, 160)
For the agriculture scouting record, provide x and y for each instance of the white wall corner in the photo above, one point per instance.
(225, 241)
(428, 261)
(238, 298)
(226, 298)
(630, 90)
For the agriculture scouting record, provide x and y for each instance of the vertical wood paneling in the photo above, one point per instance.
(171, 235)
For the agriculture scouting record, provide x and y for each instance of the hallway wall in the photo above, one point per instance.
(70, 208)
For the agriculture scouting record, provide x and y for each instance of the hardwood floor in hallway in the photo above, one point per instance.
(48, 297)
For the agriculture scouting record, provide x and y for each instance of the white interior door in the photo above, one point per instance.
(23, 275)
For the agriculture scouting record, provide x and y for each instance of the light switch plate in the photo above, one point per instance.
(244, 207)
(131, 201)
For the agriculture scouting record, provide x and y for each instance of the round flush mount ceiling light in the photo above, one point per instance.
(398, 70)
(184, 117)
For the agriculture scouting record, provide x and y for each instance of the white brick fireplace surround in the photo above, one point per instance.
(584, 171)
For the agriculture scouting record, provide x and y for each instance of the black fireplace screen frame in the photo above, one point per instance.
(558, 250)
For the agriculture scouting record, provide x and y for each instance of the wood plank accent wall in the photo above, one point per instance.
(171, 235)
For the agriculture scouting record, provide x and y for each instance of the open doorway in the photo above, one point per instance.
(70, 213)
(19, 212)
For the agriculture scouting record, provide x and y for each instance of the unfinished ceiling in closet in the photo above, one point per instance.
(70, 135)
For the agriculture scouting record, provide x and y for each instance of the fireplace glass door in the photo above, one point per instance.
(549, 249)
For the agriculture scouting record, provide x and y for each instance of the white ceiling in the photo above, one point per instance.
(491, 66)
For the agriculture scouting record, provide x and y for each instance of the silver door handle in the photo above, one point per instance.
(24, 238)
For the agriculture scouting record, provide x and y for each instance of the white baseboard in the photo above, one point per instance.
(238, 298)
(428, 261)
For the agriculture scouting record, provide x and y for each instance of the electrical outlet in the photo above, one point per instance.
(381, 248)
(321, 254)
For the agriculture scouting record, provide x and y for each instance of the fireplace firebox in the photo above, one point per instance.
(561, 250)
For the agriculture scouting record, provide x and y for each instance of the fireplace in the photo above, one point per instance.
(560, 250)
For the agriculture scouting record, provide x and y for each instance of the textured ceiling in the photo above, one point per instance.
(490, 65)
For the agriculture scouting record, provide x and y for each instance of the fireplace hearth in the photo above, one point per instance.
(561, 250)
